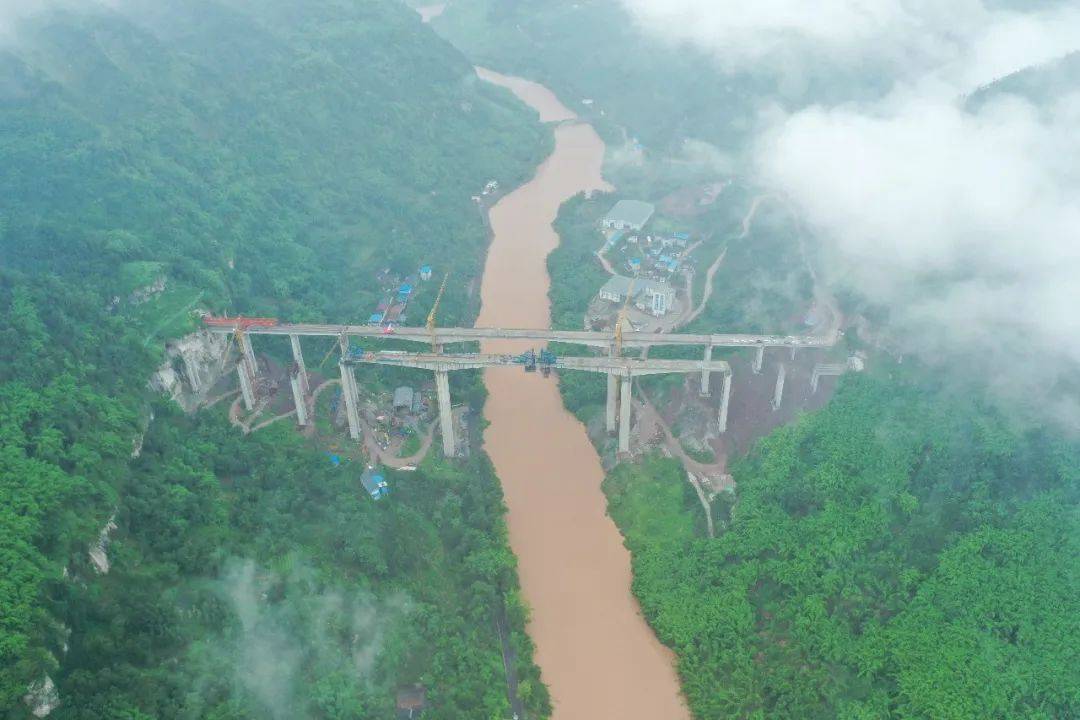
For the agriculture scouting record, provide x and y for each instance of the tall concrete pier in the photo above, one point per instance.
(620, 370)
(624, 420)
(759, 360)
(299, 401)
(351, 394)
(446, 413)
(705, 375)
(298, 379)
(778, 393)
(247, 389)
(725, 400)
(248, 369)
(823, 369)
(611, 416)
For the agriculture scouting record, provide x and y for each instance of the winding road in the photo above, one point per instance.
(710, 275)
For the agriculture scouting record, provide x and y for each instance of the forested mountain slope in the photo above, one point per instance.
(661, 90)
(910, 552)
(264, 157)
(907, 552)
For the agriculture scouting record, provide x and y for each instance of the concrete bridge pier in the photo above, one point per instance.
(298, 378)
(725, 400)
(778, 394)
(246, 387)
(705, 375)
(612, 402)
(247, 354)
(446, 413)
(299, 400)
(624, 421)
(759, 360)
(248, 369)
(301, 368)
(351, 393)
(192, 373)
(823, 369)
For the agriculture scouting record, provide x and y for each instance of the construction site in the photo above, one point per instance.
(397, 428)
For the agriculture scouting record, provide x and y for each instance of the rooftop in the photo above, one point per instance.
(374, 482)
(630, 212)
(403, 397)
(620, 285)
(617, 285)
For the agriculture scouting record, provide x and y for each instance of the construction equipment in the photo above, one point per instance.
(434, 310)
(239, 324)
(528, 359)
(622, 317)
(547, 361)
(339, 343)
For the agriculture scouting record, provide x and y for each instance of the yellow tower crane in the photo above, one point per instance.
(622, 317)
(435, 309)
(339, 343)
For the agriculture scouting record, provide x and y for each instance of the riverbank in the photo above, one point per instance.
(597, 655)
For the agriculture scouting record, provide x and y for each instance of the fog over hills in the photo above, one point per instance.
(959, 216)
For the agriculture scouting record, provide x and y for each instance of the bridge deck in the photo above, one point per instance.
(626, 367)
(575, 337)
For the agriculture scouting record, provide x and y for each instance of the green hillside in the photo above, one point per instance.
(264, 158)
(905, 553)
(661, 90)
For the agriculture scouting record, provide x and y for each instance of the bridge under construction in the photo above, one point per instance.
(620, 370)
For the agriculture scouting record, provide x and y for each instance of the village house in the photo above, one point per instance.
(615, 289)
(652, 296)
(629, 215)
(404, 398)
(656, 298)
(375, 484)
(677, 240)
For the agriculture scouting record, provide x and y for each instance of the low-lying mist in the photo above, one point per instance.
(950, 198)
(290, 642)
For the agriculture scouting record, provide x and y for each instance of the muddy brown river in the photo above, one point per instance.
(597, 655)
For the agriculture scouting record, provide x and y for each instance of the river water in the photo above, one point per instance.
(597, 655)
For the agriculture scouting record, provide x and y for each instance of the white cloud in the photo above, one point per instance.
(964, 221)
(13, 11)
(967, 219)
(967, 41)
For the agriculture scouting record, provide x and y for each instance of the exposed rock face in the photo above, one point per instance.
(42, 697)
(137, 441)
(143, 294)
(192, 366)
(99, 551)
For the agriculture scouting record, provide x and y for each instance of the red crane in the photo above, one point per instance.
(239, 322)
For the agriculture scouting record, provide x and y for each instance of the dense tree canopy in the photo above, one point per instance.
(904, 553)
(264, 158)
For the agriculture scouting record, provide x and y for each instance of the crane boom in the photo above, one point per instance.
(622, 316)
(434, 310)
